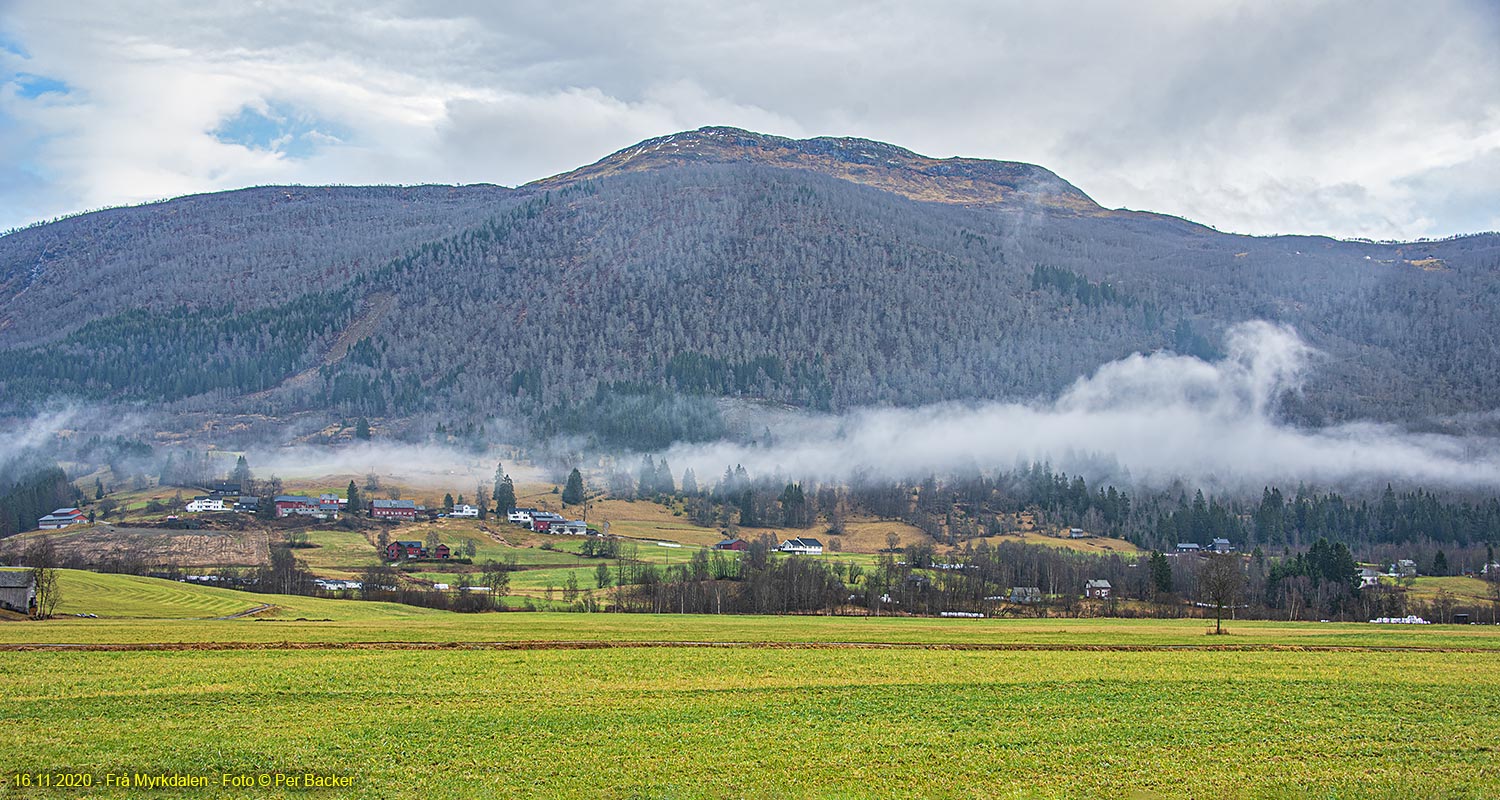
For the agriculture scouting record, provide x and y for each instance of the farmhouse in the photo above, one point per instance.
(288, 505)
(441, 551)
(735, 543)
(1221, 546)
(61, 518)
(804, 546)
(17, 590)
(1189, 547)
(246, 504)
(1097, 589)
(394, 509)
(1368, 577)
(1404, 568)
(572, 527)
(1078, 533)
(1026, 594)
(520, 516)
(464, 510)
(331, 503)
(396, 551)
(199, 504)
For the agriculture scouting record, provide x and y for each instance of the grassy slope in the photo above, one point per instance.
(131, 597)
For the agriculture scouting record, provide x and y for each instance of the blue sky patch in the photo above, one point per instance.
(38, 85)
(280, 128)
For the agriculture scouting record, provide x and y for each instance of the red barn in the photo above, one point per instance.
(441, 551)
(394, 509)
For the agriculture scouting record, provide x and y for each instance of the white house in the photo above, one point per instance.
(198, 504)
(803, 546)
(572, 527)
(520, 516)
(464, 510)
(1368, 577)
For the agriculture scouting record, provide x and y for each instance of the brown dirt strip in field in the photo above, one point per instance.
(612, 645)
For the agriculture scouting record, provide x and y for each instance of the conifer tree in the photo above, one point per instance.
(573, 493)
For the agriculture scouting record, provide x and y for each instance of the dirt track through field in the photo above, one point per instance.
(608, 645)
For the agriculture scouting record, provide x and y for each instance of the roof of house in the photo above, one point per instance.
(15, 578)
(730, 541)
(412, 504)
(1099, 583)
(292, 498)
(1188, 546)
(1026, 590)
(408, 543)
(1218, 542)
(803, 541)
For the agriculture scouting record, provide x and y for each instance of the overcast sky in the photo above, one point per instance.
(1377, 119)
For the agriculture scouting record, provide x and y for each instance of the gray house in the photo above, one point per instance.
(17, 590)
(1026, 594)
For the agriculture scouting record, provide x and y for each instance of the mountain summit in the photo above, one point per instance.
(960, 181)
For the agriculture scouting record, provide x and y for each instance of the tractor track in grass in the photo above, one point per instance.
(589, 644)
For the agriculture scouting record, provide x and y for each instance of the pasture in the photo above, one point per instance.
(417, 703)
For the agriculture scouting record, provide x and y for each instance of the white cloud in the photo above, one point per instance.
(1247, 116)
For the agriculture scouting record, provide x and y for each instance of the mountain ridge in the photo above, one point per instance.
(955, 180)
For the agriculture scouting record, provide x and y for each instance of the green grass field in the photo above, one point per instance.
(1414, 714)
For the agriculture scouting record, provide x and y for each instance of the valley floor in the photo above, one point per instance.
(512, 707)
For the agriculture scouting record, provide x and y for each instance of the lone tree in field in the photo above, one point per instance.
(1222, 580)
(43, 562)
(354, 502)
(573, 493)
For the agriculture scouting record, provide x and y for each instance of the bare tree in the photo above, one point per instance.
(1221, 579)
(42, 559)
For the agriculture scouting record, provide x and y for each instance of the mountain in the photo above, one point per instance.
(627, 298)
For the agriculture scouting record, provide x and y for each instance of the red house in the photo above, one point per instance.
(441, 551)
(732, 544)
(396, 551)
(394, 509)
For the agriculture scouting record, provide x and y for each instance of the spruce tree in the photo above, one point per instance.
(573, 493)
(664, 482)
(505, 495)
(354, 502)
(646, 479)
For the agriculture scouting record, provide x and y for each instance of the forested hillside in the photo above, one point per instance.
(621, 300)
(241, 250)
